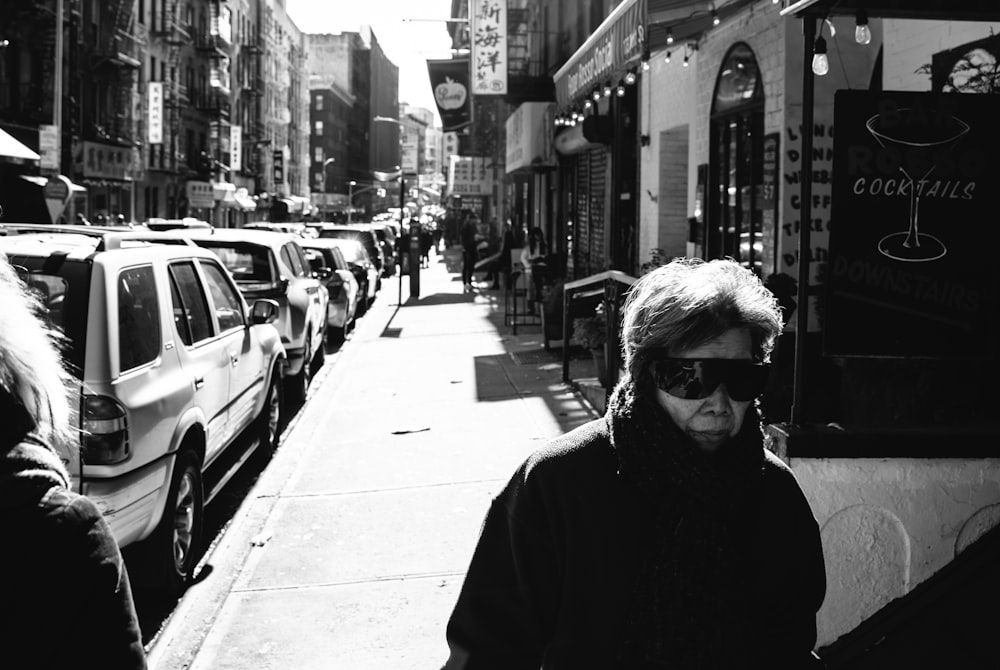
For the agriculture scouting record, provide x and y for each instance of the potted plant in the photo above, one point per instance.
(591, 332)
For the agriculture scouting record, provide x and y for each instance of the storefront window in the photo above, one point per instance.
(735, 207)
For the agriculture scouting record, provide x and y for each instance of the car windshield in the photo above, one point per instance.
(352, 250)
(246, 262)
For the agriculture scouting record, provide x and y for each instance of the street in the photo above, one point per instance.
(349, 549)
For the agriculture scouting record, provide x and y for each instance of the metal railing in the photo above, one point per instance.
(611, 286)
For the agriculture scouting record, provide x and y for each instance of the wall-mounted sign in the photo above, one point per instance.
(471, 175)
(913, 213)
(154, 122)
(95, 160)
(199, 194)
(450, 84)
(529, 137)
(48, 147)
(488, 32)
(410, 143)
(615, 43)
(235, 148)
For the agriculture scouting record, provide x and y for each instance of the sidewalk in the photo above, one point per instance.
(351, 548)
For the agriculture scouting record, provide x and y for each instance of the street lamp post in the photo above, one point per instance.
(326, 181)
(350, 198)
(414, 250)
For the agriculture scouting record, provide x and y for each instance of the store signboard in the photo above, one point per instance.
(154, 125)
(450, 84)
(615, 43)
(410, 145)
(103, 161)
(529, 137)
(235, 148)
(470, 175)
(488, 34)
(914, 184)
(48, 147)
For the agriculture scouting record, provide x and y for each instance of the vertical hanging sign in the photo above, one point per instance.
(155, 111)
(488, 32)
(235, 148)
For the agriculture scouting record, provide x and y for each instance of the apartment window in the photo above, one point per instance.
(319, 155)
(318, 128)
(319, 103)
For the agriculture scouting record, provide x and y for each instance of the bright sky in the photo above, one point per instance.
(407, 42)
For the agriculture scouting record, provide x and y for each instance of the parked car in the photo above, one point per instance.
(295, 228)
(361, 232)
(386, 232)
(273, 265)
(174, 224)
(361, 266)
(327, 260)
(176, 379)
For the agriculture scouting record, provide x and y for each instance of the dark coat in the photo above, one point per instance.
(65, 595)
(550, 579)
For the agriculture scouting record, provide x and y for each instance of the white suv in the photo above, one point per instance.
(178, 382)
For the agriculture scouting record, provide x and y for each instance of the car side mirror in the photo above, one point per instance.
(263, 311)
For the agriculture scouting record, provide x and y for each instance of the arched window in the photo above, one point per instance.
(737, 128)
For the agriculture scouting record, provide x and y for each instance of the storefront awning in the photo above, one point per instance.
(11, 150)
(679, 21)
(614, 46)
(244, 201)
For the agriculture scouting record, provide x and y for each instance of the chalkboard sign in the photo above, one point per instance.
(914, 229)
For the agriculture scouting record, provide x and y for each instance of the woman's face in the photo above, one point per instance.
(713, 420)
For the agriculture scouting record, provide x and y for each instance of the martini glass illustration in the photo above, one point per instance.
(915, 144)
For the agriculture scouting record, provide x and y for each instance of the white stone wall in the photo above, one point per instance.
(666, 104)
(889, 524)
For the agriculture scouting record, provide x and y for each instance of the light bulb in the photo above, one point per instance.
(666, 59)
(607, 90)
(630, 77)
(820, 64)
(596, 95)
(586, 104)
(685, 60)
(862, 33)
(715, 18)
(670, 36)
(620, 91)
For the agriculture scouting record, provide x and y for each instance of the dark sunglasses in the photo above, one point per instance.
(697, 378)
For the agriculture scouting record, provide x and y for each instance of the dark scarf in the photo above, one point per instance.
(28, 469)
(691, 595)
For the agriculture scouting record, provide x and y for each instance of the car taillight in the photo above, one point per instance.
(104, 434)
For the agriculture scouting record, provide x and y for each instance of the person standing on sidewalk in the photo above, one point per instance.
(663, 534)
(65, 592)
(469, 235)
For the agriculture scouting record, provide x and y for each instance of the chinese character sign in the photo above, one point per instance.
(470, 175)
(155, 126)
(236, 148)
(488, 32)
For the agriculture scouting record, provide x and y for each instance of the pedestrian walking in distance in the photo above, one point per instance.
(469, 234)
(664, 534)
(64, 592)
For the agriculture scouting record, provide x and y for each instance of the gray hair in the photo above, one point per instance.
(688, 302)
(31, 369)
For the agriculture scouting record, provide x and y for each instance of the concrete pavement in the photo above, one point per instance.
(351, 548)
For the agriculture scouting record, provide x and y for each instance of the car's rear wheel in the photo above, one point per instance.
(167, 558)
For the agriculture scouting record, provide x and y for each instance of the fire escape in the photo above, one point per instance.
(114, 64)
(527, 76)
(215, 44)
(174, 34)
(253, 86)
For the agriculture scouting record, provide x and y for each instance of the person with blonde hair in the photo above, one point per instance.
(65, 591)
(664, 534)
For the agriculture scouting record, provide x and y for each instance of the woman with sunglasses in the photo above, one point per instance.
(663, 535)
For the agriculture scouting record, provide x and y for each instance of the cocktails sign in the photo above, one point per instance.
(911, 217)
